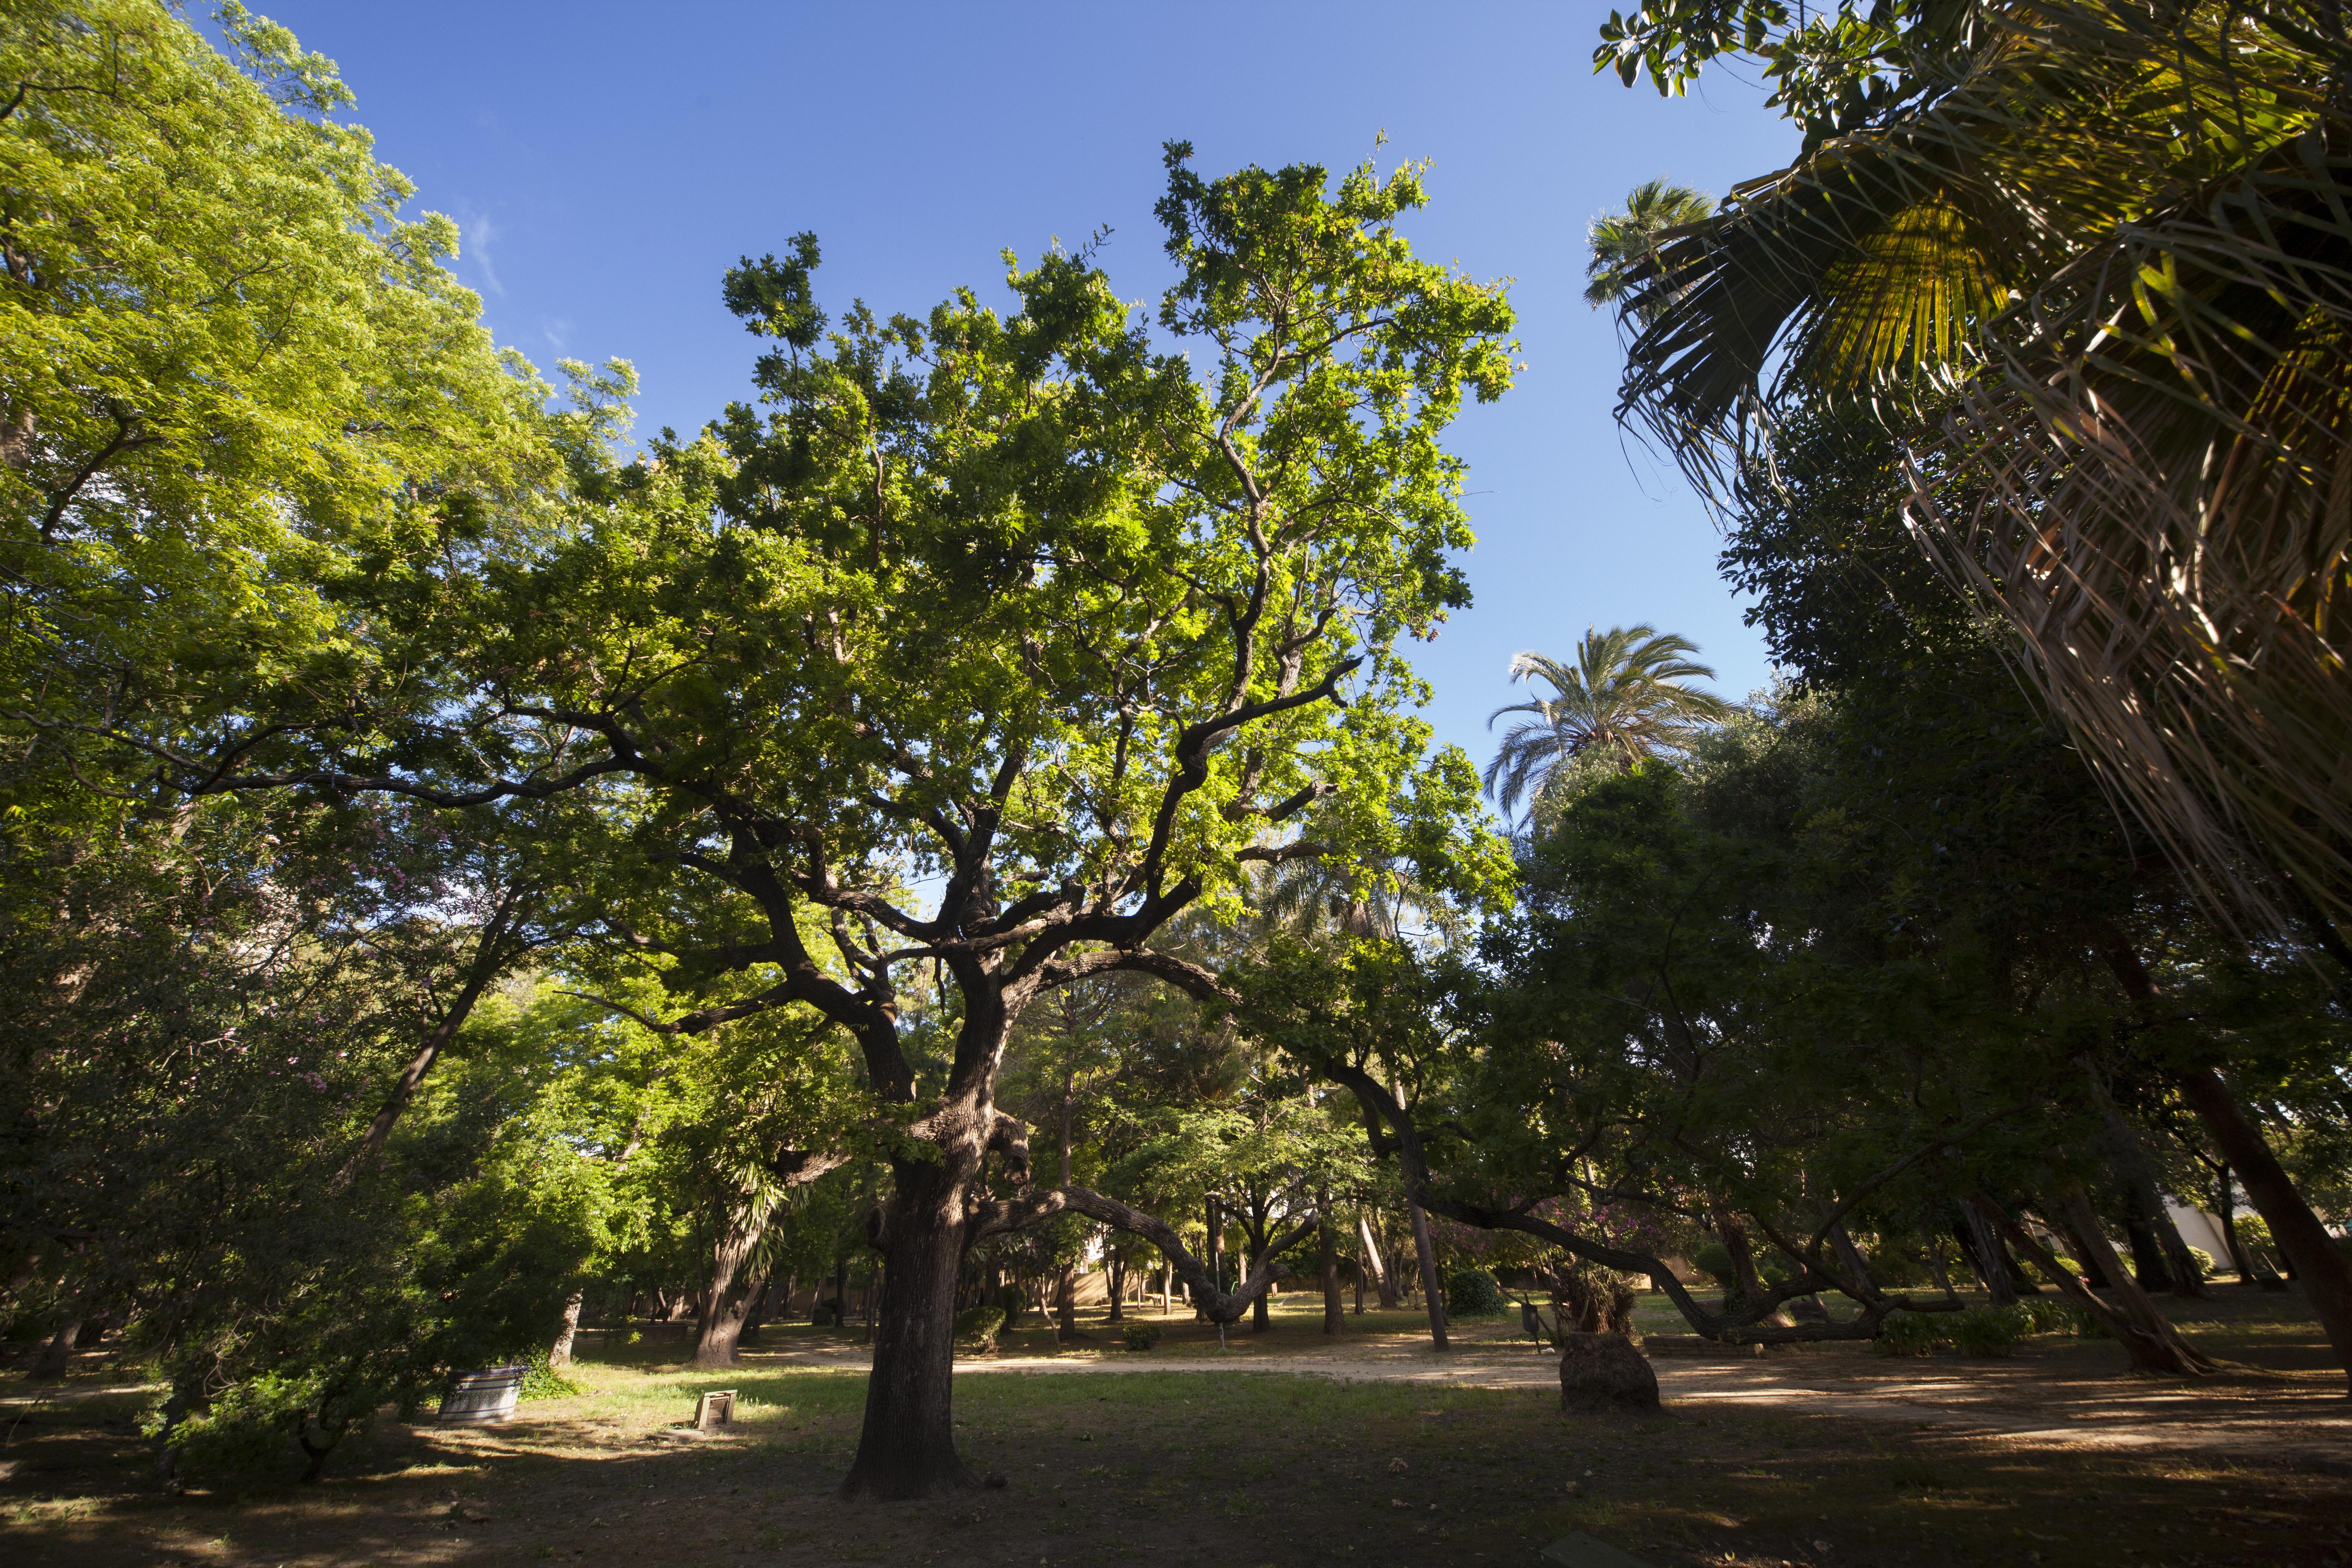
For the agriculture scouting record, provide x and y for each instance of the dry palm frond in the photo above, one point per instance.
(2146, 458)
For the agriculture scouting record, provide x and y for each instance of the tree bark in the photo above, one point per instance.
(58, 1354)
(1335, 1307)
(2139, 1174)
(1992, 1260)
(560, 1353)
(1743, 1266)
(1934, 1246)
(1066, 1304)
(1117, 1267)
(2147, 1336)
(906, 1448)
(2084, 1254)
(725, 1296)
(2325, 1274)
(1430, 1287)
(1383, 1282)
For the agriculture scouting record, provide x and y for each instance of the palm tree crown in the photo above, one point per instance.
(1623, 698)
(1622, 241)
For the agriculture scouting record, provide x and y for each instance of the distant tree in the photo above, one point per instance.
(1622, 241)
(1623, 699)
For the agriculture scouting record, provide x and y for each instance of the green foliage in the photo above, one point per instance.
(1141, 1336)
(2202, 1260)
(1472, 1292)
(1984, 1332)
(821, 1316)
(1714, 1260)
(1908, 1334)
(976, 1328)
(541, 1380)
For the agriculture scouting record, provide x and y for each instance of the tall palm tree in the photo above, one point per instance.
(1623, 242)
(1622, 700)
(2115, 257)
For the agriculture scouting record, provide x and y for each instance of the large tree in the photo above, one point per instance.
(1018, 613)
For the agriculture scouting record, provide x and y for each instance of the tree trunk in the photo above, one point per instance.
(2151, 1341)
(1167, 1288)
(1934, 1244)
(2145, 1200)
(755, 1309)
(1260, 1320)
(906, 1448)
(725, 1297)
(1383, 1280)
(2324, 1273)
(1752, 1289)
(1335, 1307)
(1992, 1258)
(2084, 1254)
(1842, 1243)
(1066, 1304)
(1427, 1250)
(560, 1353)
(1116, 1266)
(58, 1354)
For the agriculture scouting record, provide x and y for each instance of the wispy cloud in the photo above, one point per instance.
(557, 330)
(479, 235)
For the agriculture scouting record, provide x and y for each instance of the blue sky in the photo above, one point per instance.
(606, 163)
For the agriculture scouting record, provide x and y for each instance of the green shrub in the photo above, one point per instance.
(976, 1328)
(1141, 1336)
(1714, 1260)
(1908, 1334)
(541, 1381)
(1473, 1293)
(1986, 1330)
(2070, 1266)
(2203, 1260)
(823, 1317)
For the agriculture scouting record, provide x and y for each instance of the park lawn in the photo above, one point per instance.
(1176, 1467)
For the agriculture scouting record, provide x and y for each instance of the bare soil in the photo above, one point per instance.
(1283, 1449)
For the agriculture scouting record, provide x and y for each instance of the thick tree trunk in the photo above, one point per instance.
(1383, 1280)
(726, 1296)
(2137, 1172)
(560, 1353)
(1065, 1304)
(1260, 1318)
(1743, 1266)
(2324, 1273)
(907, 1448)
(1430, 1287)
(2147, 1336)
(2084, 1254)
(1851, 1255)
(58, 1354)
(1991, 1258)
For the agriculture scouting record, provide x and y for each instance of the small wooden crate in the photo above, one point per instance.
(714, 1409)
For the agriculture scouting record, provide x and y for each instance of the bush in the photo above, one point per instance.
(1986, 1330)
(1714, 1260)
(1141, 1336)
(1906, 1333)
(2070, 1266)
(541, 1381)
(2203, 1260)
(822, 1316)
(976, 1328)
(1473, 1293)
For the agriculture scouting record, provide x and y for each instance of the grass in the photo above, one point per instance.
(1185, 1467)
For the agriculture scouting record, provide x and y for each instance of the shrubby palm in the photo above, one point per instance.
(1625, 699)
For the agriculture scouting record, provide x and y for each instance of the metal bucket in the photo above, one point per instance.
(482, 1396)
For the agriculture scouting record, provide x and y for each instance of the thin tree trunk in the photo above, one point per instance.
(1334, 1309)
(1117, 1266)
(1934, 1244)
(490, 956)
(1427, 1251)
(1992, 1260)
(2139, 1174)
(2324, 1273)
(560, 1353)
(1066, 1304)
(1743, 1266)
(58, 1354)
(1851, 1254)
(1383, 1281)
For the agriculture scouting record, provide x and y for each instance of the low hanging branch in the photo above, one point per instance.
(1221, 1306)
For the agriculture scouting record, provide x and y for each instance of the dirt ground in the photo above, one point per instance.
(1282, 1449)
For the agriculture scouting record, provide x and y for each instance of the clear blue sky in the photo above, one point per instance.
(608, 163)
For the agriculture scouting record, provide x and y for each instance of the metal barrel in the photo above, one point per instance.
(481, 1396)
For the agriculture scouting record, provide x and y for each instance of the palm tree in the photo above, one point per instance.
(2112, 258)
(1622, 700)
(1625, 241)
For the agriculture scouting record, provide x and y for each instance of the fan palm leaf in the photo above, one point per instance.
(2119, 252)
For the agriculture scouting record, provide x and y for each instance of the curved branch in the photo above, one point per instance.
(1221, 1306)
